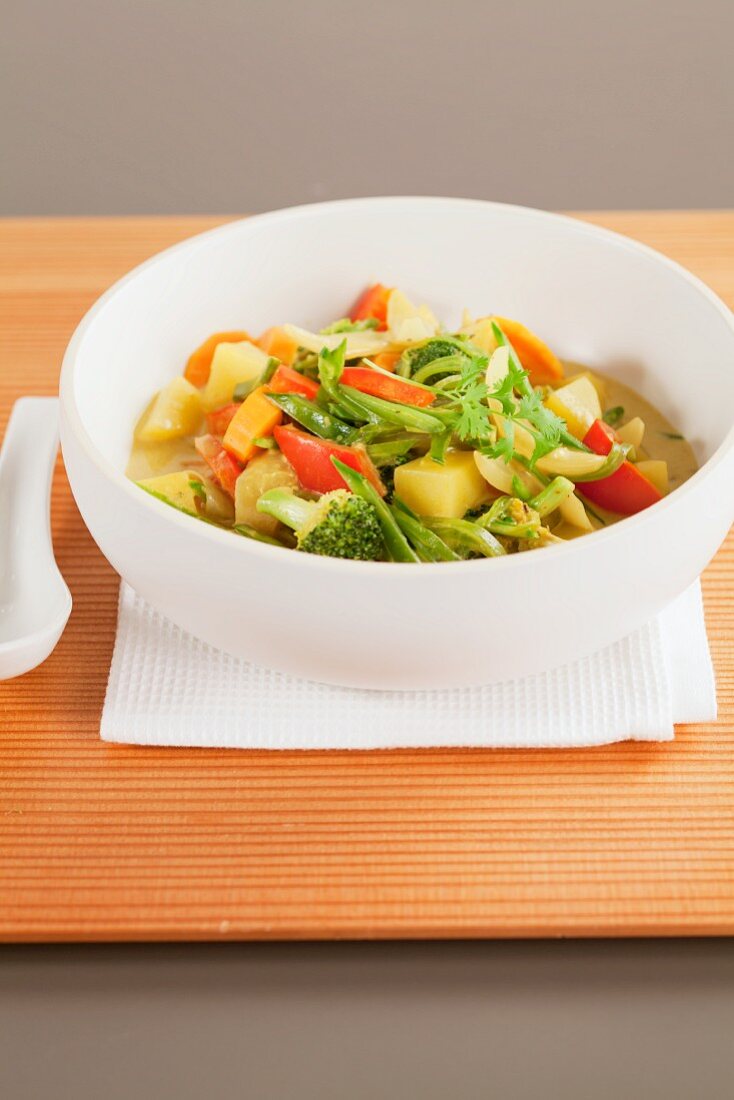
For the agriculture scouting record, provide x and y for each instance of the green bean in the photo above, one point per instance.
(389, 451)
(427, 544)
(548, 499)
(397, 545)
(520, 491)
(439, 443)
(390, 412)
(311, 416)
(499, 519)
(447, 364)
(615, 458)
(252, 533)
(445, 385)
(465, 537)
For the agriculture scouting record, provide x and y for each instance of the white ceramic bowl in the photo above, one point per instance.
(596, 297)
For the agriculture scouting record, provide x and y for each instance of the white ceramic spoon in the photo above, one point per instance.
(35, 602)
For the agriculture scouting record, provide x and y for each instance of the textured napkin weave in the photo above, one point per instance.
(168, 688)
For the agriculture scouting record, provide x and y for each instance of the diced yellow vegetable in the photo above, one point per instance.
(577, 403)
(597, 381)
(656, 471)
(190, 492)
(432, 489)
(200, 361)
(269, 470)
(500, 474)
(633, 432)
(231, 365)
(482, 334)
(174, 412)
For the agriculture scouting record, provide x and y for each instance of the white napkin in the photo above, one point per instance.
(168, 688)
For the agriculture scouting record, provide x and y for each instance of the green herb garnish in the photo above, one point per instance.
(613, 416)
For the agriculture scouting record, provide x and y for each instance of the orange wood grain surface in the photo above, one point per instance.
(103, 842)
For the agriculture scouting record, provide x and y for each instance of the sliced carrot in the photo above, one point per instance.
(256, 417)
(536, 357)
(386, 359)
(372, 304)
(277, 342)
(200, 362)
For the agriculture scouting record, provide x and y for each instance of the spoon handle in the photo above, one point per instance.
(27, 463)
(34, 601)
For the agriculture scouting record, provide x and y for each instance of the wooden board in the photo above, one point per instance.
(110, 842)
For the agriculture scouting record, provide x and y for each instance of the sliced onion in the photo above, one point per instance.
(500, 474)
(570, 463)
(633, 432)
(574, 512)
(359, 344)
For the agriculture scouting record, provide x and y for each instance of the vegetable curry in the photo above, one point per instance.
(386, 437)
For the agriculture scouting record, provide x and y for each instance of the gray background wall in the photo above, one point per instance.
(146, 106)
(135, 106)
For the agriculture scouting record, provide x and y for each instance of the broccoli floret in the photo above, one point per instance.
(421, 355)
(338, 525)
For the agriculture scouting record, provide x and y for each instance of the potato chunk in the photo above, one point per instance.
(231, 365)
(189, 492)
(633, 432)
(174, 412)
(451, 489)
(266, 471)
(656, 471)
(578, 403)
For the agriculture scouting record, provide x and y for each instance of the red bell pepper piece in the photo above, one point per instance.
(223, 465)
(310, 457)
(390, 387)
(626, 491)
(372, 304)
(218, 421)
(288, 380)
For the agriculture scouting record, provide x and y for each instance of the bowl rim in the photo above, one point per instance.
(210, 532)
